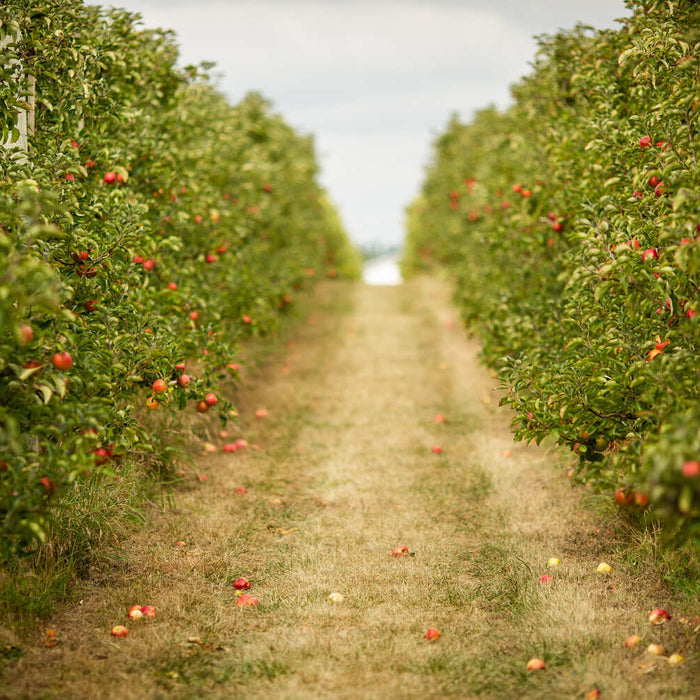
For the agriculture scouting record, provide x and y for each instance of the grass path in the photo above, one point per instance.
(344, 473)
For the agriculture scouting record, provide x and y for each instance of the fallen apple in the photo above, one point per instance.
(399, 551)
(656, 649)
(632, 642)
(241, 584)
(604, 568)
(675, 659)
(431, 634)
(135, 612)
(247, 600)
(437, 449)
(148, 611)
(658, 616)
(336, 597)
(261, 413)
(547, 578)
(119, 631)
(551, 563)
(536, 665)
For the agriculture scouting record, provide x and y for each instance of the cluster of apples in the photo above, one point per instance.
(136, 612)
(244, 600)
(658, 616)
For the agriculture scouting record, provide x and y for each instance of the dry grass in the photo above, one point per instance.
(345, 472)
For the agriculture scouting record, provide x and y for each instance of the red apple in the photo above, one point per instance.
(547, 578)
(659, 189)
(431, 634)
(653, 181)
(172, 286)
(399, 551)
(241, 584)
(159, 386)
(110, 177)
(135, 612)
(437, 449)
(645, 141)
(658, 616)
(623, 497)
(148, 611)
(211, 399)
(261, 413)
(650, 253)
(632, 641)
(536, 665)
(119, 631)
(183, 380)
(194, 315)
(26, 333)
(202, 407)
(180, 366)
(91, 305)
(62, 361)
(247, 600)
(246, 318)
(149, 264)
(101, 456)
(691, 469)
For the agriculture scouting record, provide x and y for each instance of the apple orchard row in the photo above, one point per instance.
(148, 224)
(571, 225)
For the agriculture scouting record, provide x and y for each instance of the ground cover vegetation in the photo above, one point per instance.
(146, 230)
(571, 224)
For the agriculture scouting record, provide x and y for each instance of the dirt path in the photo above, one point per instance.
(344, 473)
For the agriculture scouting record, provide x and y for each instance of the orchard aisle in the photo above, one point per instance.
(344, 473)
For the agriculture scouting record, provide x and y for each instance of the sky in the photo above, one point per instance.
(374, 81)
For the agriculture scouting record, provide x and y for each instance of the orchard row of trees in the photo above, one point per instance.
(571, 223)
(148, 225)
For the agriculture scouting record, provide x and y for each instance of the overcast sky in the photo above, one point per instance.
(373, 80)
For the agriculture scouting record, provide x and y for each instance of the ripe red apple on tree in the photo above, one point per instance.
(110, 177)
(159, 386)
(62, 361)
(183, 380)
(211, 399)
(645, 141)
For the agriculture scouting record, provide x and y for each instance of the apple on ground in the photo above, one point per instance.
(399, 551)
(604, 568)
(120, 631)
(632, 641)
(336, 597)
(135, 612)
(432, 634)
(247, 600)
(536, 665)
(241, 584)
(658, 616)
(148, 611)
(656, 649)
